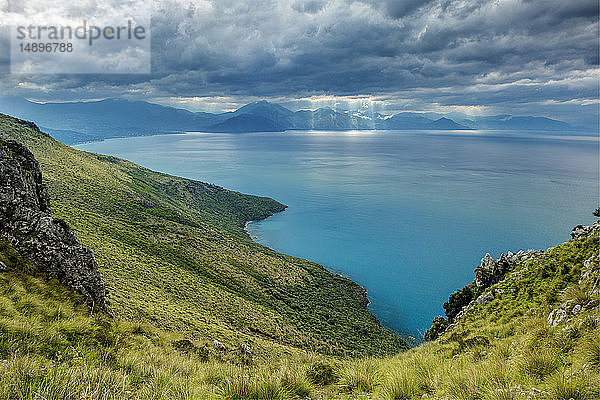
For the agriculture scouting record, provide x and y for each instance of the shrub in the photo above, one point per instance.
(267, 387)
(400, 387)
(295, 382)
(539, 363)
(238, 388)
(362, 376)
(438, 326)
(591, 351)
(322, 374)
(458, 299)
(577, 294)
(570, 387)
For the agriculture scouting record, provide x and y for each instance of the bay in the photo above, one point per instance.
(408, 215)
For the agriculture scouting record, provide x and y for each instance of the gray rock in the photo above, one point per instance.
(218, 345)
(491, 271)
(596, 287)
(486, 298)
(3, 267)
(581, 231)
(556, 317)
(26, 224)
(245, 349)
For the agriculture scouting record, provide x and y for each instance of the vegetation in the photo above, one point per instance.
(52, 347)
(173, 253)
(159, 344)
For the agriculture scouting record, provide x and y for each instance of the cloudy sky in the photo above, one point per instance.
(535, 57)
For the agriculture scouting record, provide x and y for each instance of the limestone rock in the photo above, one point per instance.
(245, 349)
(486, 298)
(218, 345)
(26, 224)
(581, 231)
(491, 271)
(557, 316)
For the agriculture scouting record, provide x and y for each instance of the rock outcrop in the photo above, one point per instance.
(582, 230)
(27, 226)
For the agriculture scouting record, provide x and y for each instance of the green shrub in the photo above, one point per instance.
(577, 294)
(238, 388)
(295, 382)
(591, 351)
(458, 299)
(362, 376)
(438, 326)
(571, 387)
(539, 363)
(400, 387)
(322, 374)
(267, 387)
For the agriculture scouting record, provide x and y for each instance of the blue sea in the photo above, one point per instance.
(407, 215)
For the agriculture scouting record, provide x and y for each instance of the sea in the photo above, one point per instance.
(407, 215)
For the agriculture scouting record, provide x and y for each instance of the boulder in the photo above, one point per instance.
(580, 231)
(491, 271)
(556, 317)
(486, 298)
(27, 226)
(245, 350)
(218, 345)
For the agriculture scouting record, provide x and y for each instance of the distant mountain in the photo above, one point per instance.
(503, 122)
(96, 120)
(406, 120)
(246, 123)
(280, 116)
(446, 124)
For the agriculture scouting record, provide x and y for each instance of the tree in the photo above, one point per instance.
(597, 212)
(439, 326)
(457, 301)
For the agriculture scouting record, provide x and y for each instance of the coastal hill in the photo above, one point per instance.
(80, 122)
(193, 309)
(173, 252)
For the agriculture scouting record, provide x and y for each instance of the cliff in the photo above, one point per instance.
(28, 230)
(495, 279)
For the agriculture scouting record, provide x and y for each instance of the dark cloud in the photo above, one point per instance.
(445, 52)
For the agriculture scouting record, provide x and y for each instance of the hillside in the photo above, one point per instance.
(173, 253)
(512, 347)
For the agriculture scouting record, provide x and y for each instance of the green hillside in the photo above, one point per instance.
(53, 348)
(173, 253)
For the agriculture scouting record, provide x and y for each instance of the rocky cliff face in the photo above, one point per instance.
(491, 272)
(27, 226)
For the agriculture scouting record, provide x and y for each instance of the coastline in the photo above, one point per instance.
(364, 292)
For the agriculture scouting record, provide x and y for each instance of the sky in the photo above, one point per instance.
(479, 57)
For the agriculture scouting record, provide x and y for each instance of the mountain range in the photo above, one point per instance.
(77, 122)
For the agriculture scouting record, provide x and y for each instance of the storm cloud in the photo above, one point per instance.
(501, 55)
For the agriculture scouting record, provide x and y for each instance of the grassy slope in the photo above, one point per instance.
(173, 253)
(53, 348)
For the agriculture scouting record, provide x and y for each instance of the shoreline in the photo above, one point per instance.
(365, 293)
(407, 337)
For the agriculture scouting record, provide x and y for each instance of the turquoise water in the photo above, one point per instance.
(408, 216)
